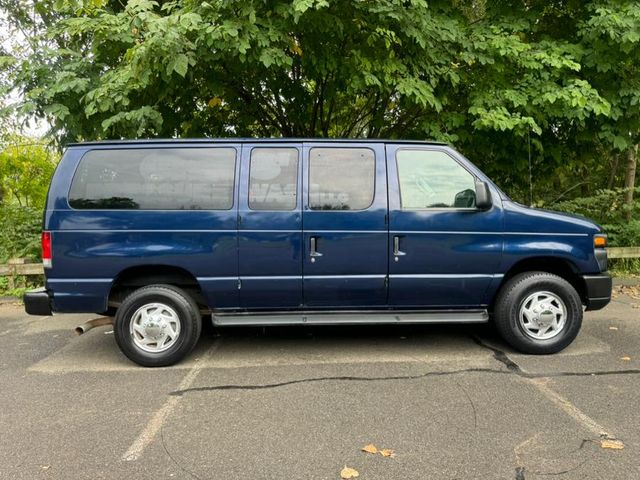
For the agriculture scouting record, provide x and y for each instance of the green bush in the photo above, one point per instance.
(26, 167)
(20, 229)
(21, 285)
(608, 209)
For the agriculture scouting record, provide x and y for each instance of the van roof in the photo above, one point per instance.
(252, 140)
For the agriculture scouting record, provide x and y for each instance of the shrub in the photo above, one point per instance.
(20, 229)
(608, 209)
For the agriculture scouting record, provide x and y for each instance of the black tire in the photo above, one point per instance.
(510, 300)
(188, 315)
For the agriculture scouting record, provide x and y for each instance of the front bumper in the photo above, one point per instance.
(37, 302)
(598, 290)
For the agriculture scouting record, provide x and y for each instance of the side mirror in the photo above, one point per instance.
(483, 195)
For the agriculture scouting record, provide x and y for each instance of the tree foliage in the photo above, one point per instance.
(500, 80)
(26, 167)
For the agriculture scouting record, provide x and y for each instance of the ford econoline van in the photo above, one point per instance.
(279, 232)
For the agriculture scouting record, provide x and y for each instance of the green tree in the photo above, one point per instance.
(307, 67)
(26, 166)
(497, 79)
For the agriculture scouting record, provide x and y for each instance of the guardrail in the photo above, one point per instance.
(623, 252)
(20, 266)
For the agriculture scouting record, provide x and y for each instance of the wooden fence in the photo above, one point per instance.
(19, 266)
(623, 252)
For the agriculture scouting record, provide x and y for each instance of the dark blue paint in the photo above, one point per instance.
(270, 246)
(454, 259)
(456, 251)
(352, 243)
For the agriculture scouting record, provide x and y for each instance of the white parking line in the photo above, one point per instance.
(160, 416)
(570, 409)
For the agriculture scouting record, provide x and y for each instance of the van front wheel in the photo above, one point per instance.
(538, 313)
(157, 325)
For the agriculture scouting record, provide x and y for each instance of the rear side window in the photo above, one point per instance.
(155, 179)
(273, 179)
(432, 179)
(341, 178)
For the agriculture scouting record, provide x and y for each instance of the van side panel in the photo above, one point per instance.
(448, 257)
(350, 265)
(91, 247)
(269, 244)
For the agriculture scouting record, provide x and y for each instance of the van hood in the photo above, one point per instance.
(521, 218)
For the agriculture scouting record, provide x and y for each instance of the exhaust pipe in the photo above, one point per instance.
(96, 322)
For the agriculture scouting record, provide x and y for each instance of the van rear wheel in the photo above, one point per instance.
(157, 325)
(538, 313)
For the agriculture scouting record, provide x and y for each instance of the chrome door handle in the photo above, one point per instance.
(396, 247)
(313, 248)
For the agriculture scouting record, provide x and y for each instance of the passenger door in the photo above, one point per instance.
(270, 226)
(443, 251)
(344, 223)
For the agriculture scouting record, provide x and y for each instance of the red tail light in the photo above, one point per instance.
(46, 249)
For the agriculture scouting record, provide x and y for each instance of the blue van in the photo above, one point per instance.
(277, 232)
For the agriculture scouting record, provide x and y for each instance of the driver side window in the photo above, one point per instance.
(432, 179)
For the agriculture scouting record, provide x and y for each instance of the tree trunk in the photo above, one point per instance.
(630, 178)
(614, 171)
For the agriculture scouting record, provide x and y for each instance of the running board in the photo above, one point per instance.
(350, 317)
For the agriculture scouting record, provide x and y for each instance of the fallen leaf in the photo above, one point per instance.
(632, 291)
(612, 444)
(613, 328)
(385, 452)
(371, 448)
(625, 359)
(348, 472)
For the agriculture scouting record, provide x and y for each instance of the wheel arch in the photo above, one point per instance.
(555, 265)
(132, 278)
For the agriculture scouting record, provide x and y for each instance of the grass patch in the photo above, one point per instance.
(624, 267)
(22, 283)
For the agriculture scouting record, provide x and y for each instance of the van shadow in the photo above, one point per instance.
(308, 344)
(355, 332)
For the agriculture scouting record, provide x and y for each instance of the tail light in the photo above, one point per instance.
(46, 249)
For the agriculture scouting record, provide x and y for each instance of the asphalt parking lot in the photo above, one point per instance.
(300, 403)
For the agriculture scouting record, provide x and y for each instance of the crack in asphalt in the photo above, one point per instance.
(520, 470)
(512, 368)
(501, 356)
(173, 459)
(334, 378)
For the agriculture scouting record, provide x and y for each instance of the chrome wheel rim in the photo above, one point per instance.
(543, 315)
(154, 327)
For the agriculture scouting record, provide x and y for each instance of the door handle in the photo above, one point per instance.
(396, 247)
(313, 248)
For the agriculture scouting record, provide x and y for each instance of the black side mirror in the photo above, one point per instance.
(483, 195)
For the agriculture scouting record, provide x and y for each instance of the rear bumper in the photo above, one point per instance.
(598, 289)
(37, 302)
